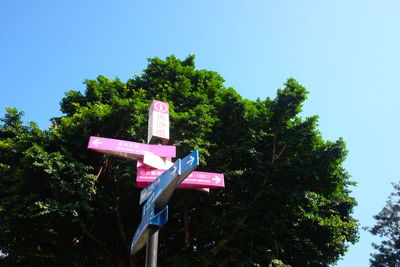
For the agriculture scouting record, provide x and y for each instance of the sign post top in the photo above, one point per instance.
(158, 129)
(159, 106)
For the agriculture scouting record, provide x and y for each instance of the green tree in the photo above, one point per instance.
(388, 228)
(286, 196)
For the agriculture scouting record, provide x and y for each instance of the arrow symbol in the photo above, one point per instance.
(97, 142)
(216, 179)
(174, 171)
(190, 161)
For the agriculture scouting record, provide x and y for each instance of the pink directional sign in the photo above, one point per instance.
(143, 185)
(194, 180)
(127, 149)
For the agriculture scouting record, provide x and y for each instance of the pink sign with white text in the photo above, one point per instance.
(194, 180)
(128, 149)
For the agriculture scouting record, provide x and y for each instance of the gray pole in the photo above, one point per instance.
(152, 247)
(152, 241)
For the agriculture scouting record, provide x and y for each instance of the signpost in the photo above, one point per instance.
(160, 183)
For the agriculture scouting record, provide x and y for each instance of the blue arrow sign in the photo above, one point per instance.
(157, 195)
(189, 164)
(149, 218)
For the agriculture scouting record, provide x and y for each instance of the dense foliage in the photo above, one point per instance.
(388, 228)
(286, 196)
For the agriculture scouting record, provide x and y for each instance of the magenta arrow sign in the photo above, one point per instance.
(128, 149)
(194, 180)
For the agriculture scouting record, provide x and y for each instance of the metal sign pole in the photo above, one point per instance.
(152, 247)
(152, 241)
(157, 133)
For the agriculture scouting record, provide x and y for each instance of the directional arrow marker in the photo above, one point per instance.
(97, 142)
(216, 179)
(174, 170)
(191, 160)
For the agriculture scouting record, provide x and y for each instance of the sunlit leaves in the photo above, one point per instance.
(388, 228)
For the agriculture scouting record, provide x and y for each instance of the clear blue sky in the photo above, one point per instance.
(346, 53)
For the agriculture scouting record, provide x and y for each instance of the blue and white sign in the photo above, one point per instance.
(157, 195)
(189, 164)
(148, 218)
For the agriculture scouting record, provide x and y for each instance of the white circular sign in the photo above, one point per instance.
(161, 107)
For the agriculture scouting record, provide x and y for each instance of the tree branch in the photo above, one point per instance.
(98, 242)
(222, 242)
(186, 226)
(104, 166)
(48, 256)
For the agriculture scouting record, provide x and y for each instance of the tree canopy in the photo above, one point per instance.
(287, 194)
(388, 228)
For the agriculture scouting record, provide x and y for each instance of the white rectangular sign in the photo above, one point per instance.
(158, 122)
